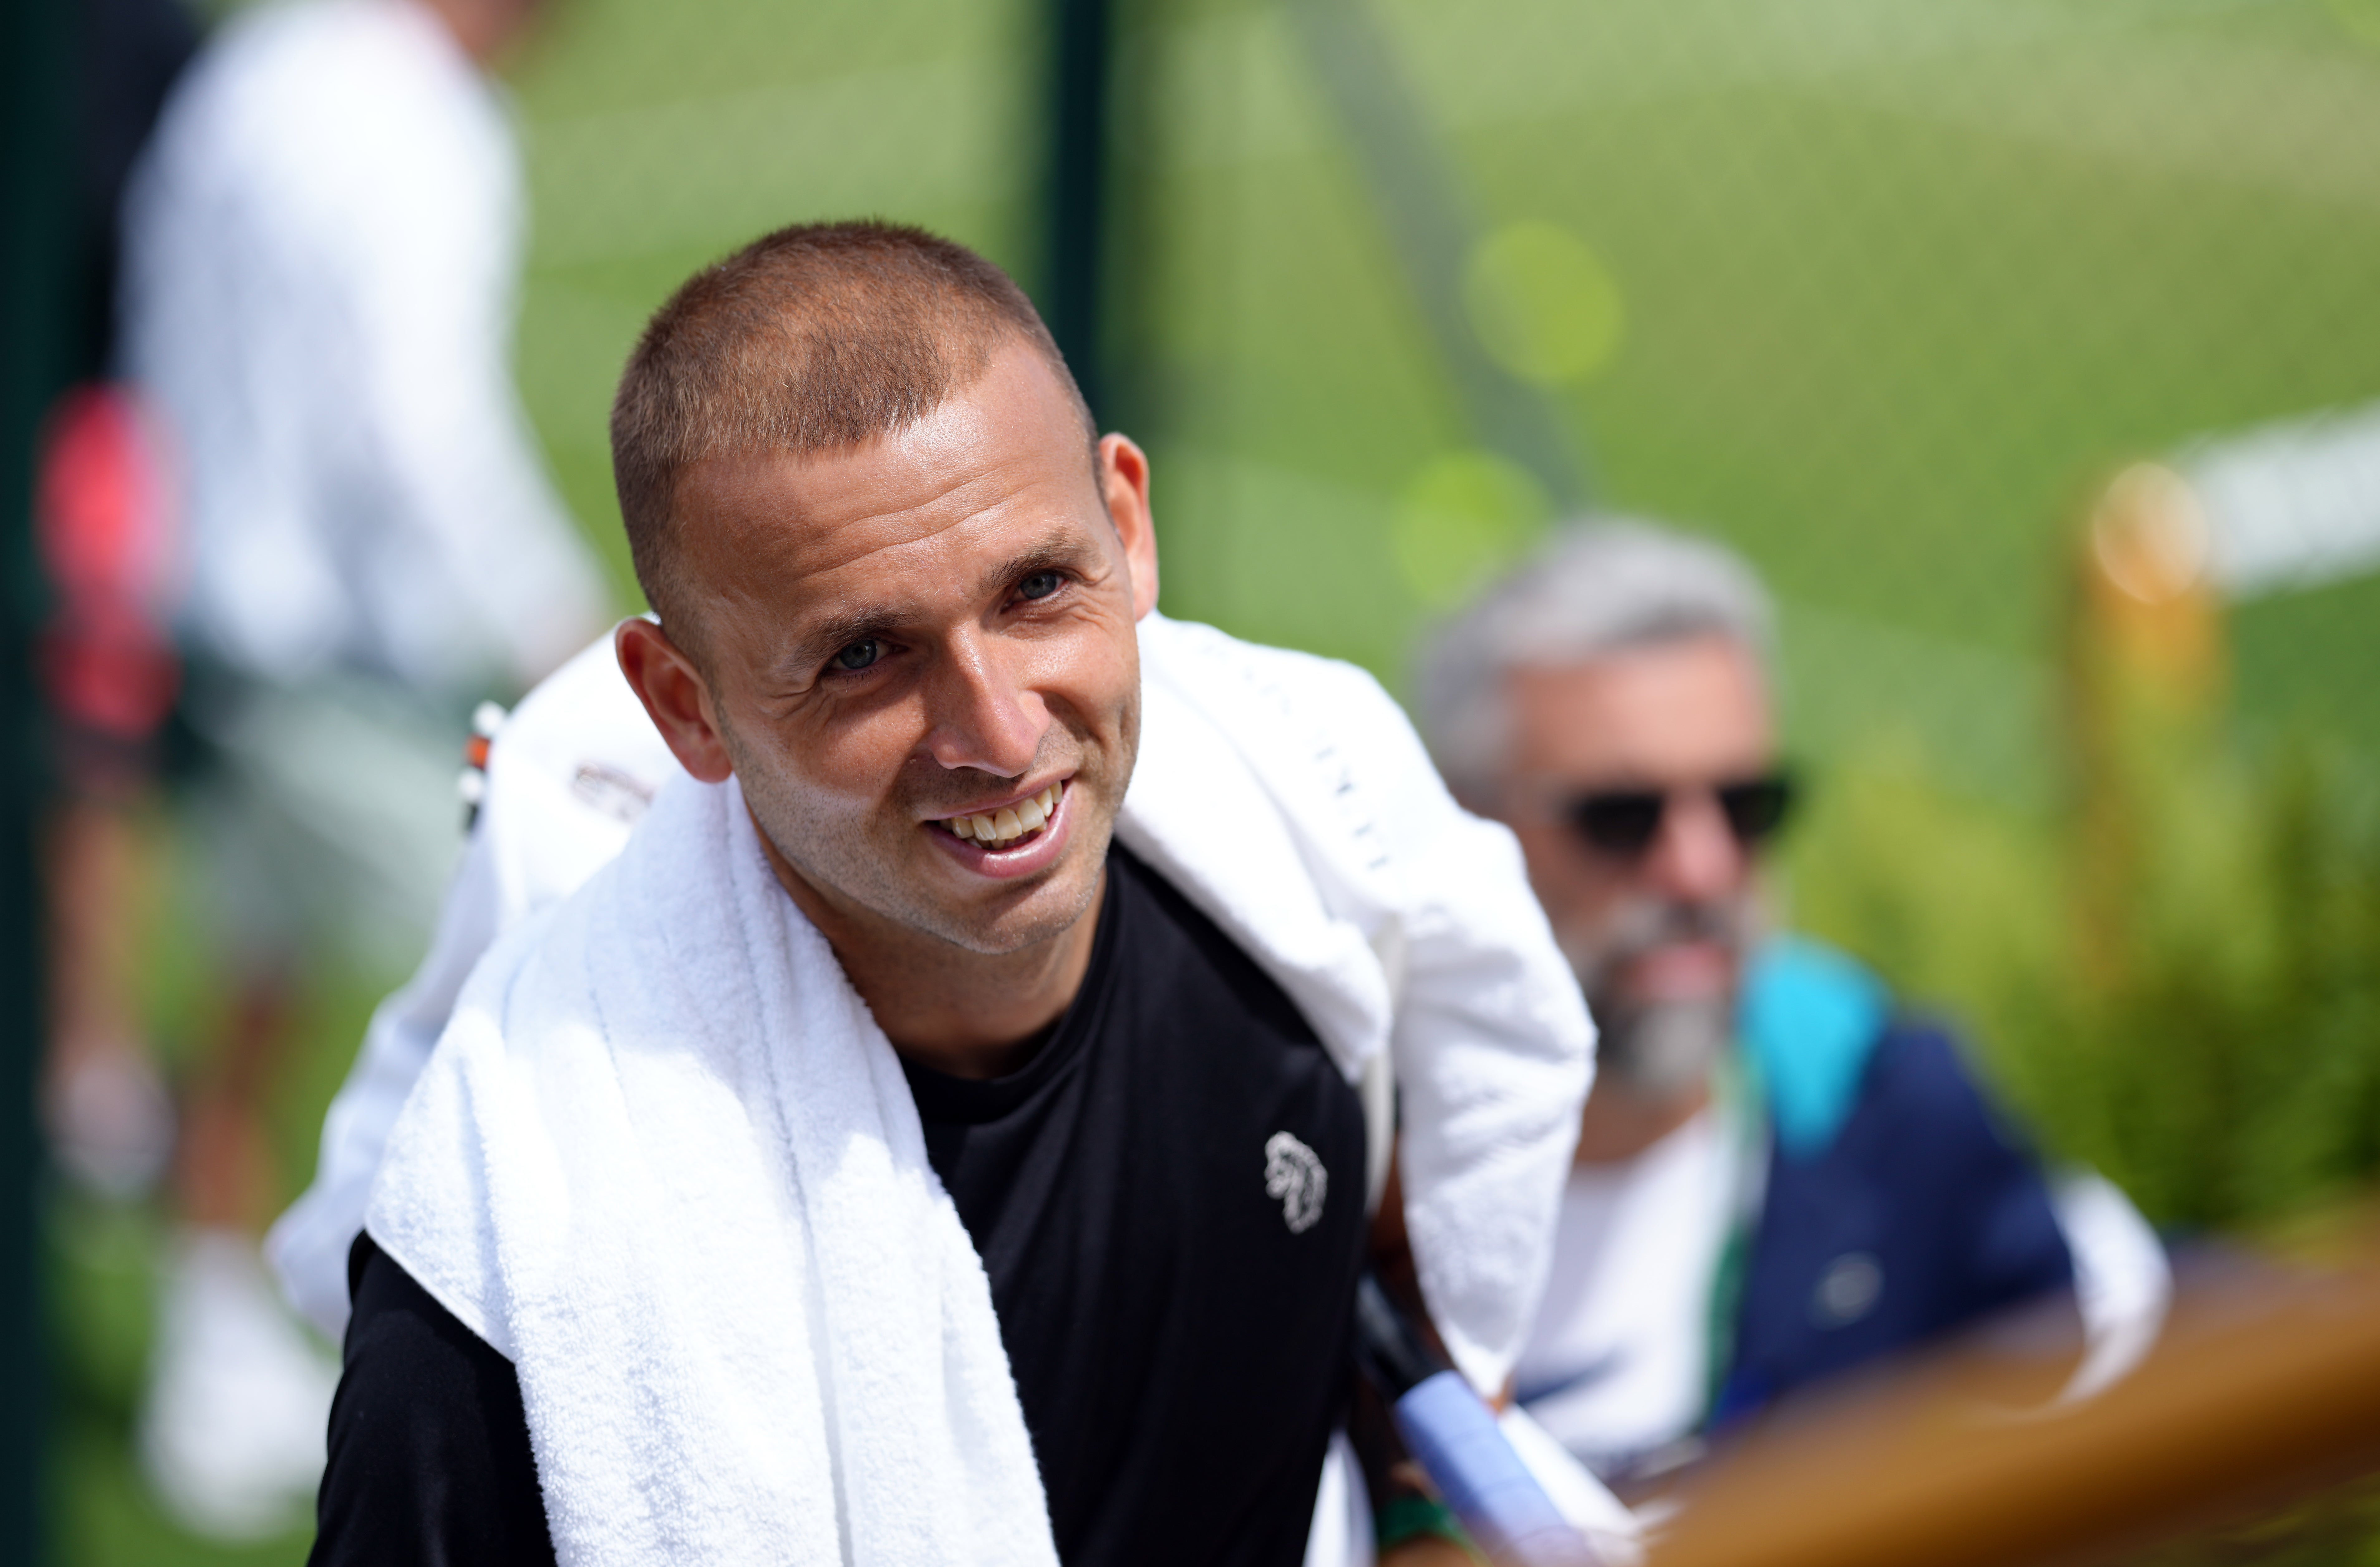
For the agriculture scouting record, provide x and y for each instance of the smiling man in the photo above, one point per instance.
(944, 1133)
(913, 647)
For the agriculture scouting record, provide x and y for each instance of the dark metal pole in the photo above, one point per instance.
(1074, 178)
(36, 222)
(1426, 205)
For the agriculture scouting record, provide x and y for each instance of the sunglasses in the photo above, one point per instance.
(1625, 821)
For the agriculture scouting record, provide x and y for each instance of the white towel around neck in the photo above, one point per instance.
(664, 1160)
(749, 1324)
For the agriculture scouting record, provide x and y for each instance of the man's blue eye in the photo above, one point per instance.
(859, 655)
(1040, 585)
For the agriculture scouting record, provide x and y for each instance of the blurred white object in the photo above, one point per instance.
(2293, 504)
(2122, 1281)
(1340, 1534)
(1616, 1534)
(322, 249)
(1618, 1366)
(110, 1120)
(240, 1397)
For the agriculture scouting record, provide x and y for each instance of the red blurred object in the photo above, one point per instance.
(103, 521)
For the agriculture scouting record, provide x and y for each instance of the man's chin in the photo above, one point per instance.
(1664, 1051)
(999, 917)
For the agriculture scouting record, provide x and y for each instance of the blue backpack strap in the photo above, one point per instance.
(1809, 1019)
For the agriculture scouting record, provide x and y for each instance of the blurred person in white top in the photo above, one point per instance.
(324, 242)
(323, 246)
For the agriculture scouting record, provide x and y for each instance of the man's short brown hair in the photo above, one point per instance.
(815, 339)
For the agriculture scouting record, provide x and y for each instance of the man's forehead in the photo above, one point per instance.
(950, 569)
(1010, 443)
(812, 518)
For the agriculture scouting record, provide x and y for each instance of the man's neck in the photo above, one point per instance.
(1619, 1124)
(970, 1014)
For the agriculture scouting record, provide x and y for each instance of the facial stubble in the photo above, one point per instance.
(873, 877)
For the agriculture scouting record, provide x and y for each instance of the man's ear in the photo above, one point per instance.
(676, 696)
(1123, 483)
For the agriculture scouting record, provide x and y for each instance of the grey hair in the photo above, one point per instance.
(1592, 589)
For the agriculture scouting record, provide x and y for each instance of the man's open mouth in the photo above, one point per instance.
(1010, 825)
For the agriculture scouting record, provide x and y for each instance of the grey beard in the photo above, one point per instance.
(1664, 1051)
(1660, 1051)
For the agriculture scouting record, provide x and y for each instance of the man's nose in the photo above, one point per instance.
(1695, 856)
(982, 714)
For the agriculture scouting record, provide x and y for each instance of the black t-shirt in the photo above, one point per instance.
(1168, 1200)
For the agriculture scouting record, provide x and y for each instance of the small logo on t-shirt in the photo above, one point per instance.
(1847, 1291)
(1294, 1174)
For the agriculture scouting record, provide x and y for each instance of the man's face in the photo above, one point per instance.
(929, 631)
(1656, 933)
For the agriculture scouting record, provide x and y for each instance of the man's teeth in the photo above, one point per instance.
(1003, 827)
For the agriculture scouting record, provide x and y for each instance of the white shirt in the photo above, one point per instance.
(1618, 1363)
(321, 247)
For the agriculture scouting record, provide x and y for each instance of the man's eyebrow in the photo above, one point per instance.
(1049, 556)
(829, 637)
(826, 638)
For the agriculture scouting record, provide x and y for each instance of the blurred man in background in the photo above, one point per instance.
(322, 249)
(1779, 1174)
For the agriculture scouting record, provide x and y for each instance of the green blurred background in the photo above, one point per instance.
(1878, 292)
